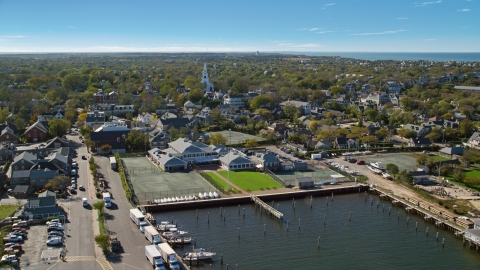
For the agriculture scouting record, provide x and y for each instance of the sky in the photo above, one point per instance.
(239, 26)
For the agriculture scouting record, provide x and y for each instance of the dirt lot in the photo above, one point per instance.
(34, 245)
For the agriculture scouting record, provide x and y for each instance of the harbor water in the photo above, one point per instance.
(356, 235)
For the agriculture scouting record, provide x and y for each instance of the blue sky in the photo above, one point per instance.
(219, 26)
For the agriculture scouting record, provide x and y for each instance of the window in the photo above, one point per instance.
(8, 136)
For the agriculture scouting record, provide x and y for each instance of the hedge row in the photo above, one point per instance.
(128, 192)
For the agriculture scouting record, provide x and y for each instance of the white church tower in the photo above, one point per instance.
(208, 85)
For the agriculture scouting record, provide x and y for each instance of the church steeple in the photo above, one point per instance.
(208, 85)
(205, 72)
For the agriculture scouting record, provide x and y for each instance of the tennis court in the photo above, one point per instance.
(234, 137)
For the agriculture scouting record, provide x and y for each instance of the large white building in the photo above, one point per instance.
(236, 101)
(208, 85)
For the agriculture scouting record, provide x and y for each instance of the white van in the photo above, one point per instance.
(84, 202)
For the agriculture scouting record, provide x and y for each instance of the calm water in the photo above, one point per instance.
(372, 240)
(442, 57)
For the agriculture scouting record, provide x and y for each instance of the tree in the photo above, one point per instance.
(35, 83)
(174, 133)
(3, 115)
(58, 182)
(435, 134)
(314, 125)
(106, 148)
(218, 138)
(406, 133)
(357, 132)
(290, 110)
(258, 101)
(99, 205)
(295, 138)
(137, 140)
(458, 175)
(251, 142)
(58, 127)
(382, 133)
(103, 241)
(73, 82)
(445, 169)
(392, 169)
(196, 95)
(422, 159)
(404, 177)
(466, 128)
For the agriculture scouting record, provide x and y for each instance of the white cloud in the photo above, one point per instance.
(379, 33)
(12, 36)
(424, 4)
(464, 10)
(329, 5)
(402, 18)
(324, 32)
(313, 29)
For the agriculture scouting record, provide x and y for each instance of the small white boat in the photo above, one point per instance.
(169, 200)
(378, 165)
(215, 194)
(198, 254)
(201, 195)
(195, 198)
(181, 240)
(205, 195)
(374, 170)
(182, 199)
(387, 176)
(210, 194)
(177, 198)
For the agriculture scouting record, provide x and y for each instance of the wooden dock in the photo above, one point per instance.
(264, 206)
(432, 214)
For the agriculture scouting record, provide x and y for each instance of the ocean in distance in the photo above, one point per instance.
(400, 56)
(373, 239)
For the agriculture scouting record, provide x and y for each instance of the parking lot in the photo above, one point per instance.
(149, 183)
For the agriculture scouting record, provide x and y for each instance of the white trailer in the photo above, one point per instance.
(316, 156)
(169, 256)
(154, 256)
(113, 163)
(138, 218)
(152, 235)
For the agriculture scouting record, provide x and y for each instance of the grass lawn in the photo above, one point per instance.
(219, 180)
(437, 158)
(7, 210)
(248, 180)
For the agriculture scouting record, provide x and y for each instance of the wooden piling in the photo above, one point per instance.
(208, 217)
(311, 200)
(443, 242)
(239, 209)
(243, 212)
(437, 237)
(324, 220)
(427, 231)
(220, 211)
(287, 225)
(264, 229)
(349, 215)
(197, 214)
(239, 233)
(298, 224)
(221, 258)
(318, 245)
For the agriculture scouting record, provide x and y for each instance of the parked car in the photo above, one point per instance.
(12, 238)
(53, 221)
(20, 224)
(9, 258)
(84, 157)
(55, 233)
(14, 245)
(346, 158)
(361, 162)
(54, 241)
(20, 229)
(352, 160)
(81, 188)
(55, 228)
(18, 233)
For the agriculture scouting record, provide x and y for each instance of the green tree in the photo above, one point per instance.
(137, 140)
(218, 139)
(259, 101)
(382, 133)
(58, 127)
(73, 82)
(392, 169)
(404, 177)
(196, 95)
(3, 115)
(106, 148)
(35, 83)
(435, 134)
(103, 241)
(422, 159)
(99, 205)
(466, 128)
(458, 174)
(174, 133)
(406, 133)
(58, 183)
(251, 142)
(314, 125)
(290, 111)
(445, 169)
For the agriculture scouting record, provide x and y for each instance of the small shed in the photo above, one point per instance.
(300, 165)
(21, 191)
(304, 182)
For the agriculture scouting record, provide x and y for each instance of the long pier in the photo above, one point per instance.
(334, 190)
(269, 209)
(429, 213)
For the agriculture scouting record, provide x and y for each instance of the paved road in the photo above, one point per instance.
(80, 239)
(119, 222)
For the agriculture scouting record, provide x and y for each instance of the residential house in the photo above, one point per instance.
(419, 142)
(304, 107)
(37, 131)
(40, 177)
(22, 191)
(112, 109)
(394, 87)
(177, 123)
(269, 161)
(420, 177)
(342, 142)
(474, 140)
(159, 140)
(45, 205)
(168, 162)
(5, 153)
(166, 108)
(8, 136)
(116, 139)
(304, 182)
(95, 117)
(236, 101)
(420, 131)
(451, 152)
(102, 97)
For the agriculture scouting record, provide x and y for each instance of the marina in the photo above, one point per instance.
(320, 235)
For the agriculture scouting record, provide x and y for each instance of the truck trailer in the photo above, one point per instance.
(169, 256)
(154, 257)
(138, 218)
(152, 235)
